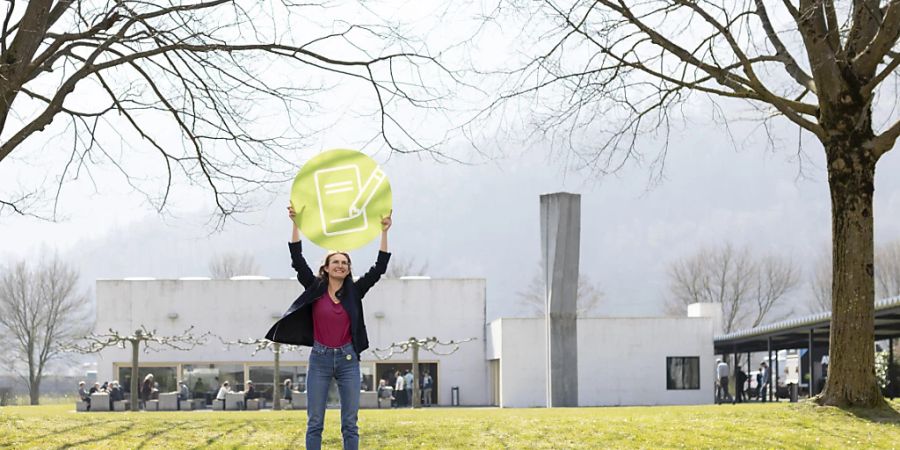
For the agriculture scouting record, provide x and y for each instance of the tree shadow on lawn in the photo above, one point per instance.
(213, 439)
(160, 431)
(888, 414)
(79, 426)
(119, 431)
(299, 437)
(251, 428)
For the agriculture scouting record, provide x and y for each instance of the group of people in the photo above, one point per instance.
(148, 390)
(402, 394)
(741, 383)
(114, 390)
(250, 393)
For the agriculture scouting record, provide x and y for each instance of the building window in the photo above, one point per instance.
(163, 376)
(263, 376)
(204, 379)
(682, 372)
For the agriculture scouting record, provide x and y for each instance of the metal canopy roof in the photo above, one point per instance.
(795, 333)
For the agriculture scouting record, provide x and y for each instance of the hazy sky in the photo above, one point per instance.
(482, 220)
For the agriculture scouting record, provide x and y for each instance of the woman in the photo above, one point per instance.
(146, 389)
(220, 396)
(328, 316)
(288, 390)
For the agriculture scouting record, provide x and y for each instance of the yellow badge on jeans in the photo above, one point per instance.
(349, 357)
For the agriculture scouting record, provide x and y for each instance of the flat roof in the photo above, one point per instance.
(795, 333)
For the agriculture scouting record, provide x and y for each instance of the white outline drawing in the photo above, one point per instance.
(357, 207)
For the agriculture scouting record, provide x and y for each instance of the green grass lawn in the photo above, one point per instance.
(755, 425)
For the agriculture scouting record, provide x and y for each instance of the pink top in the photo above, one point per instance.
(331, 324)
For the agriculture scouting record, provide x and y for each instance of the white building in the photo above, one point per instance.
(622, 361)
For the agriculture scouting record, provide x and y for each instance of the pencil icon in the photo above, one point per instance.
(367, 192)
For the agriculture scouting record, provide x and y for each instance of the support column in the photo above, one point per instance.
(560, 243)
(749, 382)
(734, 372)
(276, 383)
(769, 368)
(809, 358)
(777, 374)
(892, 374)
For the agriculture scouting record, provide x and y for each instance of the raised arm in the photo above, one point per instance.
(298, 262)
(365, 282)
(385, 226)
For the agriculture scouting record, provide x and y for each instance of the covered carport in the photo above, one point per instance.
(810, 333)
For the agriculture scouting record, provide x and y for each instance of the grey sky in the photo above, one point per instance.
(482, 221)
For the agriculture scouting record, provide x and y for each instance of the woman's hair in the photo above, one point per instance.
(324, 276)
(148, 377)
(287, 381)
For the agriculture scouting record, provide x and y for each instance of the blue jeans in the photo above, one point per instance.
(325, 364)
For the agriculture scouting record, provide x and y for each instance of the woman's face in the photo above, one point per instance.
(338, 266)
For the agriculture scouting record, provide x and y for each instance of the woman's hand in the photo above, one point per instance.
(386, 222)
(292, 214)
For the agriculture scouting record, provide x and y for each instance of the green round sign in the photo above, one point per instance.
(340, 197)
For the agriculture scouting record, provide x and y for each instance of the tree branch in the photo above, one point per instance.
(790, 64)
(885, 39)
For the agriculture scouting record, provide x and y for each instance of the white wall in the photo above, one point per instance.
(447, 308)
(523, 359)
(621, 361)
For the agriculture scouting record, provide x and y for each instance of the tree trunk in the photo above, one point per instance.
(851, 369)
(135, 346)
(33, 379)
(415, 372)
(276, 397)
(34, 391)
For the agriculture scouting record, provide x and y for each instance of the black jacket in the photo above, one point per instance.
(296, 325)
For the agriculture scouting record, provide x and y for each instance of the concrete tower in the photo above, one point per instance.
(560, 242)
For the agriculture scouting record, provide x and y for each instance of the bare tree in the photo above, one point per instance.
(227, 265)
(534, 298)
(277, 349)
(887, 269)
(749, 288)
(413, 344)
(190, 82)
(887, 276)
(821, 285)
(603, 73)
(406, 267)
(151, 340)
(40, 308)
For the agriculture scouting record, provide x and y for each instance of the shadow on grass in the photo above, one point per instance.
(79, 426)
(299, 439)
(160, 431)
(251, 428)
(886, 414)
(42, 436)
(108, 436)
(213, 439)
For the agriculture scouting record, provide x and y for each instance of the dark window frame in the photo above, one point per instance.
(684, 384)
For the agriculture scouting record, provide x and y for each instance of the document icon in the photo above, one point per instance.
(343, 198)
